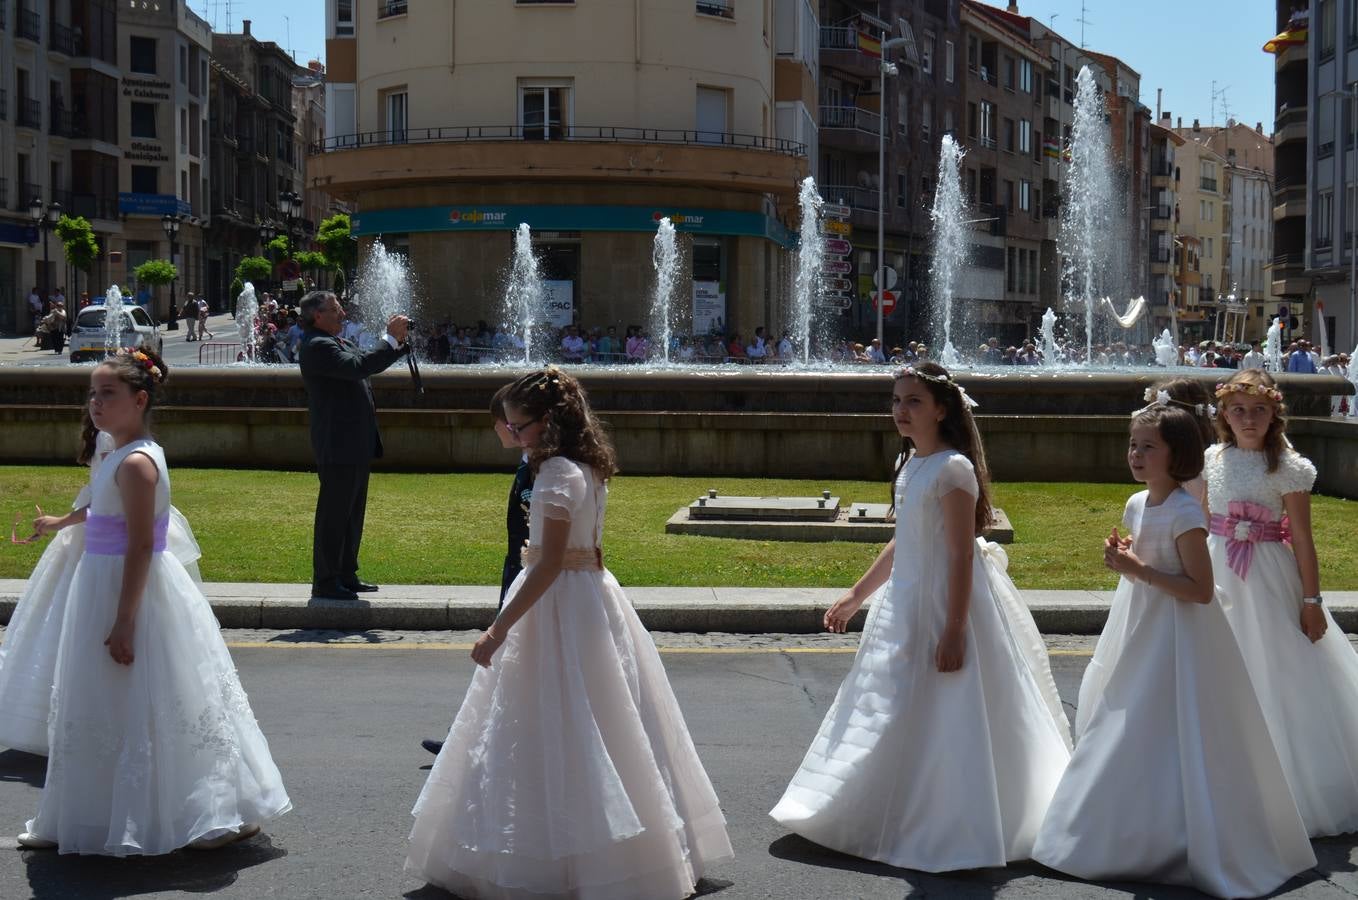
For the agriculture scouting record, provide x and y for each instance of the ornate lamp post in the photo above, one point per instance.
(171, 222)
(45, 220)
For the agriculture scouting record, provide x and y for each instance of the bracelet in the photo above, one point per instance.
(1317, 600)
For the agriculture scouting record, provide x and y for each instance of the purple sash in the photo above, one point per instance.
(107, 535)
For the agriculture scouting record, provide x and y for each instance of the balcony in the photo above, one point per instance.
(1162, 212)
(30, 113)
(1289, 197)
(63, 40)
(839, 49)
(388, 8)
(850, 128)
(1290, 125)
(1161, 168)
(856, 197)
(26, 194)
(724, 9)
(1207, 184)
(92, 206)
(1288, 273)
(62, 123)
(29, 26)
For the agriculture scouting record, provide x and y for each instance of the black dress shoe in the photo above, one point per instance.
(361, 587)
(332, 591)
(432, 746)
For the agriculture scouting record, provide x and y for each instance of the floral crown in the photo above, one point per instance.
(1155, 398)
(141, 360)
(1257, 390)
(939, 379)
(550, 375)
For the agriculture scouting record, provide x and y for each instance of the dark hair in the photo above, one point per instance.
(141, 369)
(957, 430)
(569, 427)
(1274, 441)
(89, 438)
(1195, 398)
(311, 304)
(497, 403)
(1181, 433)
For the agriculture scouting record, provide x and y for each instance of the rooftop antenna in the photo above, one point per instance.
(1083, 20)
(1225, 106)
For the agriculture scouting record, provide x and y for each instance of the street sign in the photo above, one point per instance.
(837, 266)
(890, 277)
(888, 301)
(838, 247)
(835, 302)
(835, 211)
(837, 284)
(834, 227)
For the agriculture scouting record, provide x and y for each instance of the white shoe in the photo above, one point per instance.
(30, 841)
(245, 833)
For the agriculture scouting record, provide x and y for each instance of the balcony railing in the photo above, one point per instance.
(1288, 261)
(461, 134)
(1295, 115)
(1162, 212)
(1207, 184)
(30, 113)
(857, 197)
(92, 206)
(63, 40)
(833, 37)
(1161, 168)
(61, 123)
(726, 9)
(30, 25)
(388, 8)
(26, 194)
(850, 117)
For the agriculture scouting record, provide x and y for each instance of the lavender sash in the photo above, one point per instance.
(107, 535)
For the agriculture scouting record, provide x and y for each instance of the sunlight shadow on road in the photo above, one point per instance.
(15, 765)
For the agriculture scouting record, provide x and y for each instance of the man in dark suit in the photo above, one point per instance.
(344, 436)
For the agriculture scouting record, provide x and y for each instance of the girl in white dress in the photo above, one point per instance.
(1175, 777)
(947, 737)
(569, 771)
(28, 656)
(1302, 665)
(153, 745)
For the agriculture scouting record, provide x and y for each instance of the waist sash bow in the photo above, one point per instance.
(107, 535)
(1245, 524)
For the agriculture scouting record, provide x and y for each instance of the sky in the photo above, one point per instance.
(1180, 46)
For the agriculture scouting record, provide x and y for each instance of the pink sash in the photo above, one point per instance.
(1246, 524)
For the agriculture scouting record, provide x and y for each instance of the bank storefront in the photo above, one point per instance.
(595, 260)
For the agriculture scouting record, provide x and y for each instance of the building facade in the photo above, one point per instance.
(1203, 214)
(587, 122)
(1163, 294)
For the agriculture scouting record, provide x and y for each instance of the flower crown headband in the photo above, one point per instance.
(1162, 398)
(939, 379)
(143, 361)
(1257, 390)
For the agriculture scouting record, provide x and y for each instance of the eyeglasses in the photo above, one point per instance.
(14, 531)
(517, 430)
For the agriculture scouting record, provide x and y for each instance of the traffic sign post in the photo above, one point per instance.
(835, 227)
(887, 301)
(838, 247)
(835, 211)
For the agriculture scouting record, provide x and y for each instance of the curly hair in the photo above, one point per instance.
(1275, 441)
(1194, 396)
(1182, 433)
(957, 430)
(89, 438)
(569, 426)
(141, 369)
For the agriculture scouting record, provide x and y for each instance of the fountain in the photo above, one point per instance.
(810, 258)
(950, 243)
(384, 288)
(247, 322)
(1166, 351)
(523, 295)
(113, 320)
(1273, 346)
(1050, 353)
(1086, 229)
(665, 258)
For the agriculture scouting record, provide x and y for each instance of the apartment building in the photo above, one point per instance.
(1162, 292)
(448, 125)
(1204, 213)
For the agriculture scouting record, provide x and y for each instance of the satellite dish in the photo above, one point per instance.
(910, 50)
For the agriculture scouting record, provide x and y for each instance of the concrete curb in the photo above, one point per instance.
(694, 609)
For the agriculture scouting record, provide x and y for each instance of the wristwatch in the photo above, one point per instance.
(1317, 600)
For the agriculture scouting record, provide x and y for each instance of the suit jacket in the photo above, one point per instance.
(339, 398)
(516, 516)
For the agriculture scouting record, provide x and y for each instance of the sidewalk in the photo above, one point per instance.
(418, 607)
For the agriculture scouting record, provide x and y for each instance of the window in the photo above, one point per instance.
(141, 53)
(926, 50)
(183, 130)
(1324, 215)
(1326, 9)
(145, 180)
(1025, 135)
(545, 109)
(1353, 21)
(926, 123)
(1011, 269)
(949, 61)
(947, 120)
(1026, 76)
(987, 124)
(1025, 196)
(183, 65)
(1207, 248)
(902, 186)
(1009, 135)
(344, 18)
(398, 115)
(1008, 73)
(713, 114)
(973, 53)
(143, 120)
(388, 8)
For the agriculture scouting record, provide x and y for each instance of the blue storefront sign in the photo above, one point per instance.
(11, 233)
(152, 204)
(570, 218)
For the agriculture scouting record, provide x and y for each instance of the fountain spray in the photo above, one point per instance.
(950, 241)
(810, 257)
(523, 296)
(665, 258)
(1085, 222)
(113, 320)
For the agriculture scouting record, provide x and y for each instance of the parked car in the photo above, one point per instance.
(88, 338)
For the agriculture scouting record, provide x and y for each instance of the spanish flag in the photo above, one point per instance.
(1292, 37)
(869, 44)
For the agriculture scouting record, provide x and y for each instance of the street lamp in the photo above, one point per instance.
(45, 220)
(170, 222)
(267, 232)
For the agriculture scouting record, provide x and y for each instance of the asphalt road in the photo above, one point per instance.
(344, 721)
(177, 351)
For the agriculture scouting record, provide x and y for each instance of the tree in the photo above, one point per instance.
(155, 272)
(336, 239)
(78, 241)
(255, 269)
(278, 247)
(313, 262)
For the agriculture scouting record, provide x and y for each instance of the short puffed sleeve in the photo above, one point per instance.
(957, 474)
(1131, 513)
(559, 488)
(1187, 515)
(1295, 473)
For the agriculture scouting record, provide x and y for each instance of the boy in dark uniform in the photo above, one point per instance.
(516, 514)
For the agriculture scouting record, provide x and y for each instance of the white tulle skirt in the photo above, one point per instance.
(569, 770)
(146, 758)
(28, 656)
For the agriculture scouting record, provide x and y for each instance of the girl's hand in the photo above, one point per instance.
(952, 649)
(44, 525)
(1313, 621)
(837, 616)
(485, 648)
(119, 642)
(1118, 556)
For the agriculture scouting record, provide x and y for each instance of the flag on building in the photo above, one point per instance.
(1293, 35)
(869, 44)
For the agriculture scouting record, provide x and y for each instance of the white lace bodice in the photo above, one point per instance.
(1236, 474)
(564, 489)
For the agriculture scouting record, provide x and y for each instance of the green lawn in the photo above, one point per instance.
(449, 529)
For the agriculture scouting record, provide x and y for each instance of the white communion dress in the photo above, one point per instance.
(1175, 778)
(928, 770)
(147, 758)
(569, 770)
(28, 656)
(1309, 692)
